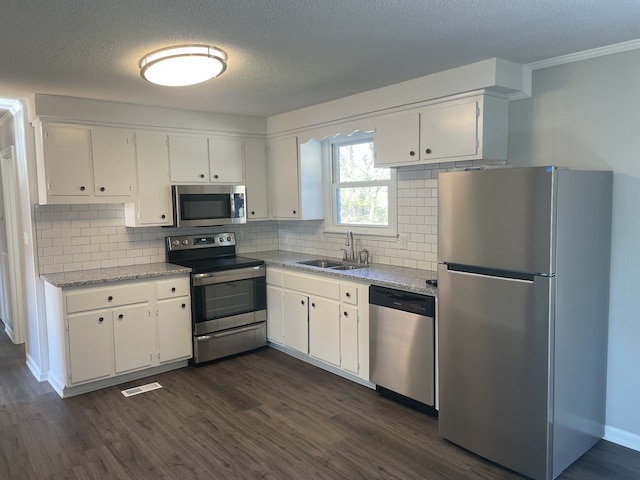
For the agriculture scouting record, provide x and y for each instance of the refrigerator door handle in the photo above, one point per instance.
(490, 272)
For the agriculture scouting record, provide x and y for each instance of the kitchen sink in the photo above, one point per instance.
(331, 264)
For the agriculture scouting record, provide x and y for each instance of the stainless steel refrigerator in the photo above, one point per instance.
(523, 282)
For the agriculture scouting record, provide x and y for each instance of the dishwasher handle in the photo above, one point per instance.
(403, 301)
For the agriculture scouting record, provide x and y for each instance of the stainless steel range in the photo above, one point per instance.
(228, 295)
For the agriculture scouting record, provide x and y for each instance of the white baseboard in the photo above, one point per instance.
(622, 437)
(35, 370)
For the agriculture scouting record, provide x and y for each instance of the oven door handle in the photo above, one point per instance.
(226, 333)
(201, 279)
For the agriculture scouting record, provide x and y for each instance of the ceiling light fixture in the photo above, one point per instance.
(183, 65)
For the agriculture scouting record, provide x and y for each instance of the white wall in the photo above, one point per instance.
(587, 115)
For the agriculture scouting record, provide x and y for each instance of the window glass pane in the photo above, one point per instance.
(363, 205)
(355, 164)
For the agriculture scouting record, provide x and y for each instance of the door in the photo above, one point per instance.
(90, 345)
(154, 187)
(296, 321)
(493, 367)
(497, 218)
(349, 338)
(133, 337)
(114, 161)
(174, 329)
(189, 159)
(67, 152)
(225, 160)
(275, 326)
(324, 329)
(448, 131)
(255, 158)
(284, 177)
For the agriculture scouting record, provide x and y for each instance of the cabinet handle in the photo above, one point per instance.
(163, 216)
(121, 316)
(173, 289)
(101, 319)
(202, 175)
(427, 151)
(215, 176)
(184, 305)
(412, 153)
(109, 298)
(102, 189)
(82, 188)
(348, 295)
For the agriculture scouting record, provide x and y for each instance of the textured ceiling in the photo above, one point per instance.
(286, 54)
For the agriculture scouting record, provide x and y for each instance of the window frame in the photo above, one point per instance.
(331, 160)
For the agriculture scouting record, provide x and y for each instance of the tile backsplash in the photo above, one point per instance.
(82, 237)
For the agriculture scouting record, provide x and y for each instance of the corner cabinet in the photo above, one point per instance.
(110, 333)
(470, 128)
(295, 179)
(82, 164)
(320, 319)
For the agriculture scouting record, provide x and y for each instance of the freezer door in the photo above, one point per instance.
(493, 351)
(497, 218)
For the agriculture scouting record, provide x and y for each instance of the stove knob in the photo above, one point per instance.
(221, 239)
(228, 239)
(185, 242)
(176, 243)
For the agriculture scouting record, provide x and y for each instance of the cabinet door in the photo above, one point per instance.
(90, 345)
(188, 159)
(225, 160)
(349, 338)
(324, 329)
(296, 321)
(255, 159)
(284, 178)
(396, 140)
(68, 160)
(114, 161)
(174, 329)
(448, 131)
(275, 326)
(154, 186)
(133, 337)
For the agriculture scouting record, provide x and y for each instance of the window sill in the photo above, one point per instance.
(342, 233)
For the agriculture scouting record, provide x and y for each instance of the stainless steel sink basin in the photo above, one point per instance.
(321, 263)
(331, 264)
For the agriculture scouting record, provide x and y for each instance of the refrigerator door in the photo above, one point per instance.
(493, 367)
(497, 218)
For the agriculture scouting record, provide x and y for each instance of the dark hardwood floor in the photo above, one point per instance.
(263, 415)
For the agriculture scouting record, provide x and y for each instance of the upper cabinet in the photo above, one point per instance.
(198, 159)
(226, 164)
(255, 164)
(470, 128)
(82, 164)
(295, 179)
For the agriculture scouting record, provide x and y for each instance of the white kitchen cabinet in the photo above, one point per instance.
(296, 320)
(255, 164)
(469, 128)
(324, 329)
(295, 179)
(114, 161)
(132, 339)
(188, 159)
(105, 334)
(325, 319)
(153, 205)
(226, 162)
(90, 346)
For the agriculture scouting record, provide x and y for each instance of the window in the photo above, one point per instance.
(363, 198)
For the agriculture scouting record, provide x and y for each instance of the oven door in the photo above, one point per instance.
(228, 299)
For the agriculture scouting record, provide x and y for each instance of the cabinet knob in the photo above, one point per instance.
(215, 176)
(294, 212)
(173, 289)
(348, 295)
(346, 314)
(121, 316)
(313, 305)
(109, 298)
(253, 212)
(412, 153)
(163, 216)
(101, 319)
(427, 151)
(202, 175)
(301, 302)
(184, 305)
(102, 189)
(82, 188)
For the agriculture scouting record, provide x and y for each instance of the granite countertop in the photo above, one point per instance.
(113, 274)
(408, 279)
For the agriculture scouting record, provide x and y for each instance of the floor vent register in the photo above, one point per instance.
(129, 392)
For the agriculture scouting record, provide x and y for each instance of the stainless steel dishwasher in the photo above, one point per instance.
(402, 343)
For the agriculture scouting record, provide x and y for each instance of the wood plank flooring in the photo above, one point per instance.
(264, 415)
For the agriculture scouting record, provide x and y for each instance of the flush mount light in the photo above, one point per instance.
(183, 65)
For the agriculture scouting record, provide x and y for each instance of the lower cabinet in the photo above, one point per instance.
(323, 318)
(98, 334)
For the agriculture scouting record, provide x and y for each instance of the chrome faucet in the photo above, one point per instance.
(352, 255)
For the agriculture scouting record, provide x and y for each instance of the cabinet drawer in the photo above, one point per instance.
(349, 293)
(102, 297)
(274, 277)
(173, 287)
(317, 286)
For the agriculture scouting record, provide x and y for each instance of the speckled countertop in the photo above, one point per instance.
(408, 279)
(113, 274)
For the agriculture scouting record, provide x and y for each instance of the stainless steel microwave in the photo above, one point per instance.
(208, 205)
